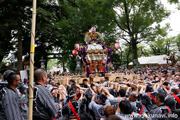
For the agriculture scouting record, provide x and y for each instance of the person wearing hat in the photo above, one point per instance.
(23, 90)
(10, 107)
(24, 105)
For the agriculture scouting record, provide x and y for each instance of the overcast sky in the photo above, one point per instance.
(174, 18)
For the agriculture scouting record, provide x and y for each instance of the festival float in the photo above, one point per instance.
(95, 54)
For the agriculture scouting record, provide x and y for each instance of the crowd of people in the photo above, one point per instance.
(155, 96)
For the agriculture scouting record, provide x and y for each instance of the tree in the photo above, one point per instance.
(116, 59)
(143, 50)
(162, 46)
(177, 41)
(51, 63)
(82, 14)
(136, 18)
(13, 15)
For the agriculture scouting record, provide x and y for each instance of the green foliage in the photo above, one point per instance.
(72, 64)
(60, 25)
(51, 63)
(174, 1)
(116, 59)
(135, 19)
(143, 51)
(8, 25)
(161, 46)
(82, 14)
(177, 42)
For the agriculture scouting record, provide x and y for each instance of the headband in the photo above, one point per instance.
(23, 89)
(134, 95)
(72, 95)
(103, 99)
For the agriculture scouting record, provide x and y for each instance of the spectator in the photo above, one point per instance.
(10, 103)
(44, 106)
(24, 105)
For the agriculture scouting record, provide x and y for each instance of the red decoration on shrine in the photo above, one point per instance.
(116, 46)
(88, 61)
(74, 52)
(93, 29)
(77, 46)
(103, 61)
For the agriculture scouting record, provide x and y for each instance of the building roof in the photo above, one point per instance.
(159, 59)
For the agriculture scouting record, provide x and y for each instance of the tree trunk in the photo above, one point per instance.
(127, 58)
(136, 63)
(64, 70)
(121, 58)
(178, 48)
(19, 56)
(1, 58)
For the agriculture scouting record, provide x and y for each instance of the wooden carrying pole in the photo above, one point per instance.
(32, 48)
